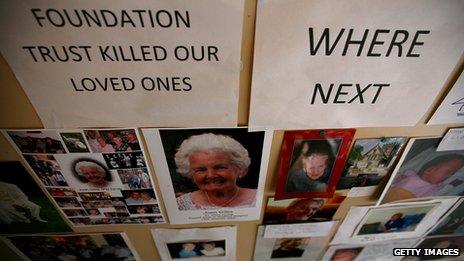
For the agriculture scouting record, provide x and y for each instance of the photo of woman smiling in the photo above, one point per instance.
(213, 168)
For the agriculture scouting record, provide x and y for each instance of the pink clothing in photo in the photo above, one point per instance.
(410, 181)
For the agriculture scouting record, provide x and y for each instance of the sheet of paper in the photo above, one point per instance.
(113, 63)
(333, 64)
(216, 244)
(318, 229)
(191, 199)
(453, 140)
(451, 109)
(362, 191)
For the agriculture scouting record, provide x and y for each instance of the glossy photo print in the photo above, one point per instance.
(369, 161)
(312, 162)
(24, 207)
(452, 223)
(91, 180)
(206, 170)
(424, 172)
(108, 246)
(198, 249)
(301, 210)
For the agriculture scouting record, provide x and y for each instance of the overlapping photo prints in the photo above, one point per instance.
(301, 210)
(24, 207)
(424, 172)
(369, 161)
(196, 244)
(207, 171)
(452, 223)
(312, 162)
(73, 247)
(95, 176)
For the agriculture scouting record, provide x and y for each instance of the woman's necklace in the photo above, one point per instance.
(225, 204)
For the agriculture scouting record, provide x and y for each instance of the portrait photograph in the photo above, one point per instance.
(114, 140)
(346, 254)
(301, 210)
(202, 249)
(87, 172)
(37, 141)
(312, 162)
(393, 220)
(300, 248)
(425, 172)
(369, 161)
(452, 223)
(209, 169)
(74, 142)
(111, 246)
(218, 243)
(453, 242)
(24, 207)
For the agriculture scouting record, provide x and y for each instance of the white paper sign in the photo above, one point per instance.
(360, 63)
(119, 63)
(319, 229)
(451, 109)
(361, 191)
(453, 140)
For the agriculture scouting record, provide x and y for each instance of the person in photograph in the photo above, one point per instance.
(188, 250)
(93, 212)
(134, 198)
(428, 180)
(145, 178)
(314, 173)
(122, 252)
(142, 210)
(396, 222)
(12, 198)
(289, 248)
(303, 210)
(347, 254)
(103, 146)
(119, 144)
(92, 136)
(214, 163)
(132, 141)
(210, 249)
(147, 198)
(93, 174)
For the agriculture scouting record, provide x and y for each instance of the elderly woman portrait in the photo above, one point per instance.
(92, 173)
(214, 163)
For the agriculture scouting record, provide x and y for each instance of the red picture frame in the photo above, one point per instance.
(294, 145)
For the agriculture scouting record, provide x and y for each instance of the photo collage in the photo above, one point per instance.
(96, 177)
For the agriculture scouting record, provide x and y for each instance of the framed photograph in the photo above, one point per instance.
(301, 210)
(369, 161)
(24, 207)
(312, 162)
(425, 172)
(109, 246)
(91, 184)
(391, 221)
(197, 244)
(210, 174)
(299, 248)
(452, 223)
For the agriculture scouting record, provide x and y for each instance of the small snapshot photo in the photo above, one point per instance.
(346, 254)
(47, 141)
(453, 223)
(68, 202)
(393, 219)
(311, 162)
(289, 247)
(88, 172)
(47, 169)
(62, 192)
(127, 160)
(449, 242)
(135, 178)
(301, 210)
(107, 141)
(139, 197)
(191, 249)
(143, 209)
(369, 161)
(213, 168)
(75, 142)
(425, 172)
(74, 247)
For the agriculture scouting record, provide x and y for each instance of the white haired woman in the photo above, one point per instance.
(214, 163)
(92, 173)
